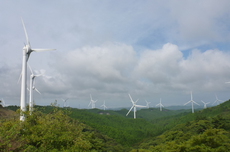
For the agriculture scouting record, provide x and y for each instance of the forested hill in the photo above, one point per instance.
(153, 130)
(208, 131)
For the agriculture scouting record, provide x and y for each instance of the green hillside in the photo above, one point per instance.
(54, 131)
(207, 130)
(153, 130)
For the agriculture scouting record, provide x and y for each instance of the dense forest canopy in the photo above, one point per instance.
(52, 128)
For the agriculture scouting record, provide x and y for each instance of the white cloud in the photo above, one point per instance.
(88, 61)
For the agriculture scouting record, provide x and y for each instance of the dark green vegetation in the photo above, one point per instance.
(71, 129)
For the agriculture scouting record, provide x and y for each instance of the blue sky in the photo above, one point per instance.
(150, 49)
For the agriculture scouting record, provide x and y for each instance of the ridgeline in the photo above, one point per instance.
(71, 129)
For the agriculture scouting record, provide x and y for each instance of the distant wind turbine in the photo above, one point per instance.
(104, 106)
(147, 103)
(32, 88)
(205, 104)
(65, 102)
(192, 103)
(4, 103)
(134, 107)
(217, 101)
(92, 102)
(27, 50)
(160, 105)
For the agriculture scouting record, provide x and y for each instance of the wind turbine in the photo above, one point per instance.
(147, 103)
(4, 103)
(134, 107)
(205, 104)
(32, 88)
(92, 102)
(217, 101)
(104, 106)
(192, 103)
(27, 50)
(65, 102)
(160, 105)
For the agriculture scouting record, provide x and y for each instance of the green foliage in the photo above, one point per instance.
(52, 128)
(198, 136)
(50, 132)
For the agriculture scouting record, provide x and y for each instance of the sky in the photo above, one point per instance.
(150, 49)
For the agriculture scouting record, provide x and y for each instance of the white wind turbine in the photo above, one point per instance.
(65, 102)
(26, 54)
(32, 88)
(205, 104)
(192, 103)
(160, 105)
(134, 107)
(104, 106)
(147, 103)
(4, 103)
(217, 101)
(92, 102)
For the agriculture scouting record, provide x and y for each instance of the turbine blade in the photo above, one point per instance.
(89, 104)
(131, 98)
(136, 100)
(37, 91)
(38, 75)
(140, 106)
(30, 69)
(27, 39)
(41, 50)
(214, 102)
(195, 102)
(187, 102)
(191, 96)
(19, 77)
(129, 110)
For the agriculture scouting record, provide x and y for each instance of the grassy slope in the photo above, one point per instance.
(6, 113)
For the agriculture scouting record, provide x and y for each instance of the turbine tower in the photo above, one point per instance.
(192, 103)
(205, 104)
(217, 101)
(32, 88)
(147, 103)
(27, 50)
(134, 107)
(92, 102)
(160, 105)
(104, 106)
